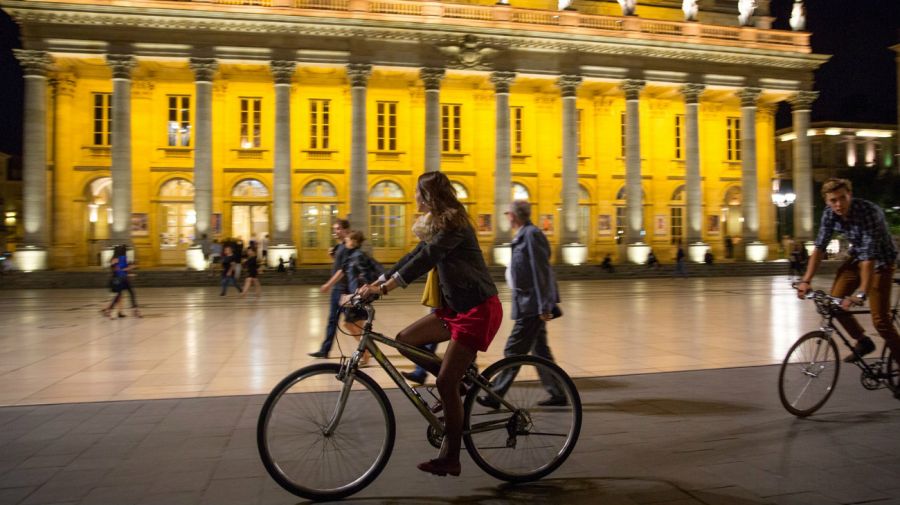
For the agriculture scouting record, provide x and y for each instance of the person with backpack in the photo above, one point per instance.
(359, 269)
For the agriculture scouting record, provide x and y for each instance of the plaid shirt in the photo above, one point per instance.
(865, 228)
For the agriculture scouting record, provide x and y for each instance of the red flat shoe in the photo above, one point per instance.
(440, 468)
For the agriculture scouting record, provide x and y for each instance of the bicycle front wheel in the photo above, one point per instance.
(531, 440)
(892, 374)
(808, 374)
(299, 454)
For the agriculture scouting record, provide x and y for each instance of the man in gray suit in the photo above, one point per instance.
(534, 298)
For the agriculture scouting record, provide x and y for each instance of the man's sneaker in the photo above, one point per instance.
(863, 346)
(414, 377)
(319, 354)
(554, 401)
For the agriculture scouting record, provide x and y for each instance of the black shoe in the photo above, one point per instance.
(488, 401)
(319, 354)
(863, 346)
(414, 377)
(554, 401)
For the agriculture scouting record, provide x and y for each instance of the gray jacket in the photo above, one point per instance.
(534, 284)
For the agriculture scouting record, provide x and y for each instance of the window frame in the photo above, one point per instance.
(104, 121)
(451, 134)
(246, 122)
(386, 125)
(319, 123)
(180, 113)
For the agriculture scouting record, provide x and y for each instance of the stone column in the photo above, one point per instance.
(502, 171)
(122, 65)
(694, 196)
(204, 70)
(801, 104)
(282, 244)
(634, 193)
(358, 75)
(432, 78)
(33, 253)
(68, 240)
(571, 252)
(754, 250)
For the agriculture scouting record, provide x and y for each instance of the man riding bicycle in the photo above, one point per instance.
(867, 274)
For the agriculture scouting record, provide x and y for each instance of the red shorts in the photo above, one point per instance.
(476, 328)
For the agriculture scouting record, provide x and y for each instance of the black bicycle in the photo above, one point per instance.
(810, 370)
(326, 431)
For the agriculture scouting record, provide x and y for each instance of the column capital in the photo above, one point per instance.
(283, 70)
(632, 88)
(358, 74)
(121, 64)
(432, 77)
(33, 62)
(749, 96)
(692, 92)
(502, 81)
(803, 100)
(204, 68)
(568, 85)
(64, 84)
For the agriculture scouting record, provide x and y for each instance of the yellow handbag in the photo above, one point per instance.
(431, 297)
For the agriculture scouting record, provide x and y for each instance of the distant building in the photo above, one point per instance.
(838, 146)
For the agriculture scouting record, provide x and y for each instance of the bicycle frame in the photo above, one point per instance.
(367, 342)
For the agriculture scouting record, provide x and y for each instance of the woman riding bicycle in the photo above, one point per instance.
(470, 312)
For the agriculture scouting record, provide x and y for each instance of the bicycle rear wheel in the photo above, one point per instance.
(808, 374)
(530, 441)
(301, 457)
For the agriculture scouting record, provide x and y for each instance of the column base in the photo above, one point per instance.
(697, 252)
(502, 254)
(756, 251)
(574, 254)
(194, 258)
(280, 251)
(637, 253)
(30, 258)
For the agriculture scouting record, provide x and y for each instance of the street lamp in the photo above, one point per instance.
(782, 201)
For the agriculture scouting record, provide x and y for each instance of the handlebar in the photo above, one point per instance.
(825, 303)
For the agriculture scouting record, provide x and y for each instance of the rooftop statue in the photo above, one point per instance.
(628, 7)
(690, 9)
(798, 16)
(745, 10)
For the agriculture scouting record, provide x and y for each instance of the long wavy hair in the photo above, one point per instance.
(438, 194)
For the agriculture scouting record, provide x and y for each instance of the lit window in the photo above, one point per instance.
(179, 124)
(451, 128)
(386, 126)
(251, 121)
(622, 139)
(387, 217)
(319, 123)
(733, 129)
(679, 137)
(102, 119)
(516, 116)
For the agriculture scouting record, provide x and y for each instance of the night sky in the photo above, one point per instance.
(858, 84)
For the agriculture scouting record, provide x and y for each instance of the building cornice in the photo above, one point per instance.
(386, 29)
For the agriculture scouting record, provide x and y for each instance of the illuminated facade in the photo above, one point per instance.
(836, 146)
(158, 122)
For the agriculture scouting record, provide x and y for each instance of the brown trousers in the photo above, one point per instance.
(879, 295)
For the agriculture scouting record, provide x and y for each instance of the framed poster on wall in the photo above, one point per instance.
(714, 225)
(139, 226)
(546, 224)
(660, 225)
(484, 224)
(604, 225)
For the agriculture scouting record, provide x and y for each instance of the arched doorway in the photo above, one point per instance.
(318, 211)
(732, 213)
(622, 218)
(462, 194)
(176, 219)
(98, 215)
(387, 220)
(249, 211)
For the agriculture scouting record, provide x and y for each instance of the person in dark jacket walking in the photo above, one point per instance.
(470, 312)
(339, 230)
(534, 300)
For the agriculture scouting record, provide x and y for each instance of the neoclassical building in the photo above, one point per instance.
(158, 123)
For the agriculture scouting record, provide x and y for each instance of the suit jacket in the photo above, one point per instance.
(463, 276)
(534, 284)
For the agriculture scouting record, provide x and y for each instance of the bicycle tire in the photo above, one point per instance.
(512, 463)
(813, 356)
(363, 440)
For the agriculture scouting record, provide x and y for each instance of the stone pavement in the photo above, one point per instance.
(696, 437)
